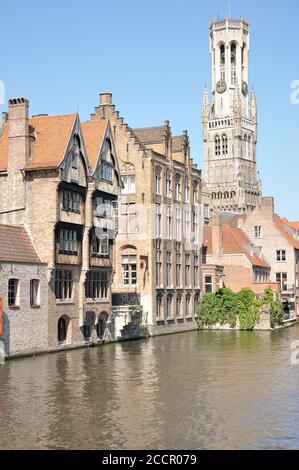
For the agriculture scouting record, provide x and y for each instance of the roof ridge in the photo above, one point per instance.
(149, 127)
(47, 116)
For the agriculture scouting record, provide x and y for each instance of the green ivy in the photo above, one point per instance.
(224, 307)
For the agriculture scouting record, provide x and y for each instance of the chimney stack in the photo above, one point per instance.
(216, 237)
(18, 119)
(105, 99)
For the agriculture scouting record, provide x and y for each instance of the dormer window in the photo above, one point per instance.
(106, 171)
(74, 167)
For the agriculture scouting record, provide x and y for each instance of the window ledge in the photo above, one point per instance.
(65, 302)
(100, 301)
(14, 307)
(35, 306)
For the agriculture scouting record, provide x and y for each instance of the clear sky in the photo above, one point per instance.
(153, 55)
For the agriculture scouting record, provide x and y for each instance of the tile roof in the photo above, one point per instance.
(149, 135)
(93, 134)
(16, 246)
(282, 225)
(52, 137)
(47, 150)
(234, 241)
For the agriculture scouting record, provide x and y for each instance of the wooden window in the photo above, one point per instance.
(100, 245)
(106, 171)
(96, 285)
(63, 284)
(13, 288)
(68, 241)
(169, 311)
(158, 264)
(129, 269)
(159, 307)
(71, 201)
(34, 293)
(281, 255)
(168, 269)
(129, 184)
(168, 222)
(187, 270)
(258, 232)
(282, 280)
(208, 284)
(196, 271)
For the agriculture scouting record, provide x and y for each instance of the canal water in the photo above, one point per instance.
(198, 390)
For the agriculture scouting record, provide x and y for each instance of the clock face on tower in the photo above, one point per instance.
(244, 88)
(221, 86)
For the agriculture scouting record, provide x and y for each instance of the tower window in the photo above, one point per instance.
(222, 62)
(233, 56)
(224, 144)
(222, 54)
(217, 146)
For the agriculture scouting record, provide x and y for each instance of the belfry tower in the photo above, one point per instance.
(229, 121)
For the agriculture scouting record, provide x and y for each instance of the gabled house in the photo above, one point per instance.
(49, 184)
(158, 263)
(242, 262)
(279, 242)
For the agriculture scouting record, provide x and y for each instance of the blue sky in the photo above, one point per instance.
(153, 55)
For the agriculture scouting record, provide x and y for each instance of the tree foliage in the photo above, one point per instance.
(224, 308)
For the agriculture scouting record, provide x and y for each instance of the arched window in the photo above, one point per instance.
(249, 147)
(224, 144)
(233, 60)
(102, 325)
(62, 329)
(243, 53)
(217, 146)
(222, 61)
(168, 185)
(245, 146)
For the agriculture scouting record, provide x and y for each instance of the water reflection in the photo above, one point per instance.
(194, 390)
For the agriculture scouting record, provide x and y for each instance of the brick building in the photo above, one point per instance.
(24, 293)
(279, 242)
(157, 264)
(49, 184)
(242, 262)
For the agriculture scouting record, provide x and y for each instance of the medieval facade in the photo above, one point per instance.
(64, 196)
(157, 261)
(229, 121)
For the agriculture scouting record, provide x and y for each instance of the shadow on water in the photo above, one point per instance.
(193, 390)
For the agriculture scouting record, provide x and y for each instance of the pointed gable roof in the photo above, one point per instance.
(49, 137)
(282, 225)
(93, 135)
(234, 241)
(52, 137)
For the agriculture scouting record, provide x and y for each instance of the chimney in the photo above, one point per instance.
(216, 237)
(18, 119)
(4, 118)
(105, 99)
